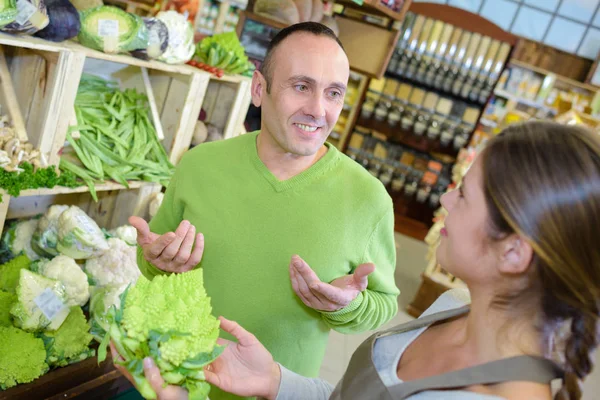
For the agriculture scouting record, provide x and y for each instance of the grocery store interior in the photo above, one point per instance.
(100, 99)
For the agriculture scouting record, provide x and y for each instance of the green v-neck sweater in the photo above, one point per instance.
(334, 215)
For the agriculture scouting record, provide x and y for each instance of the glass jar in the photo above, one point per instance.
(408, 118)
(448, 130)
(386, 176)
(368, 108)
(422, 122)
(434, 129)
(398, 180)
(382, 109)
(411, 185)
(395, 114)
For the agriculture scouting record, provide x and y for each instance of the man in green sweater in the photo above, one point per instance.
(296, 238)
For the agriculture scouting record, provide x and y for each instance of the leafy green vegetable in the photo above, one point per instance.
(224, 51)
(117, 141)
(168, 319)
(13, 182)
(22, 357)
(69, 344)
(10, 272)
(6, 301)
(112, 30)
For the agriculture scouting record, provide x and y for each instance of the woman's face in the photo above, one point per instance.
(465, 249)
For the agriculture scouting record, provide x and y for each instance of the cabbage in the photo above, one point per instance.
(79, 237)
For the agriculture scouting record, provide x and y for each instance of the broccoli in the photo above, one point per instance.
(6, 301)
(10, 272)
(69, 344)
(34, 289)
(22, 357)
(169, 319)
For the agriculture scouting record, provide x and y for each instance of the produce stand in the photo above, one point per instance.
(39, 81)
(85, 380)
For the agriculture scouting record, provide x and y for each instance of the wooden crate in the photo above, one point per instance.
(39, 81)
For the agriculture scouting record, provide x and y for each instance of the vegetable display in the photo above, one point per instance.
(32, 17)
(64, 21)
(79, 236)
(223, 51)
(168, 319)
(117, 139)
(112, 30)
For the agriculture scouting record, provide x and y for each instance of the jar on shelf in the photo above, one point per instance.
(422, 122)
(448, 131)
(383, 108)
(396, 112)
(408, 118)
(368, 107)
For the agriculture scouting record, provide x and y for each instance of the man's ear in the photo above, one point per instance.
(516, 255)
(259, 88)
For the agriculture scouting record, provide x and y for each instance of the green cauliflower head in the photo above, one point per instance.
(65, 269)
(45, 237)
(79, 236)
(174, 303)
(33, 291)
(68, 344)
(22, 357)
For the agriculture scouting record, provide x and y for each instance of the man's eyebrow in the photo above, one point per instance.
(311, 81)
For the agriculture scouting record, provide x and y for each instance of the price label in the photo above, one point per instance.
(25, 11)
(108, 28)
(49, 303)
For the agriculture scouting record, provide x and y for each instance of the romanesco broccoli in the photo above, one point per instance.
(22, 357)
(34, 288)
(6, 302)
(10, 272)
(169, 319)
(69, 344)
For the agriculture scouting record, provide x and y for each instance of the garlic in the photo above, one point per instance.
(11, 146)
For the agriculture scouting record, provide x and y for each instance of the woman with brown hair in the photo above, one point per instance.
(522, 233)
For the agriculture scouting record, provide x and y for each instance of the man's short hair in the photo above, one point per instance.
(314, 28)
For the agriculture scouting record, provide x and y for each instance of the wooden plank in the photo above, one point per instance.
(81, 189)
(102, 210)
(220, 22)
(27, 71)
(9, 99)
(353, 115)
(189, 116)
(61, 104)
(238, 110)
(152, 103)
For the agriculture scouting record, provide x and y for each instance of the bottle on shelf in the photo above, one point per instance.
(412, 110)
(398, 179)
(442, 111)
(466, 128)
(425, 187)
(410, 48)
(388, 96)
(468, 89)
(479, 78)
(496, 70)
(448, 131)
(419, 50)
(455, 64)
(425, 114)
(465, 65)
(406, 31)
(437, 74)
(429, 51)
(438, 55)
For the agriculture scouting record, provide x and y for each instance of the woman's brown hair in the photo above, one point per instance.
(542, 181)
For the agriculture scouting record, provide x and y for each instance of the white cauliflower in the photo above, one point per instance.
(127, 233)
(45, 237)
(79, 236)
(18, 238)
(66, 270)
(116, 267)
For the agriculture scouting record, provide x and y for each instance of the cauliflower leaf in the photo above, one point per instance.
(69, 344)
(6, 302)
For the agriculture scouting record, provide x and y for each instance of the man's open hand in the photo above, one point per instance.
(327, 296)
(171, 252)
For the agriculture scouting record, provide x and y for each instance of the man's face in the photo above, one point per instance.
(309, 78)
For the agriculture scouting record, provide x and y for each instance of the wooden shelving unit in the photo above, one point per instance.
(39, 82)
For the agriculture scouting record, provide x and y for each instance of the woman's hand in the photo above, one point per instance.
(245, 368)
(156, 381)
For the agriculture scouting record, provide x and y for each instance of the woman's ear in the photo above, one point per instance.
(516, 255)
(259, 86)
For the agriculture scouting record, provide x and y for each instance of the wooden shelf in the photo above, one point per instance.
(30, 42)
(103, 187)
(375, 7)
(398, 136)
(569, 81)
